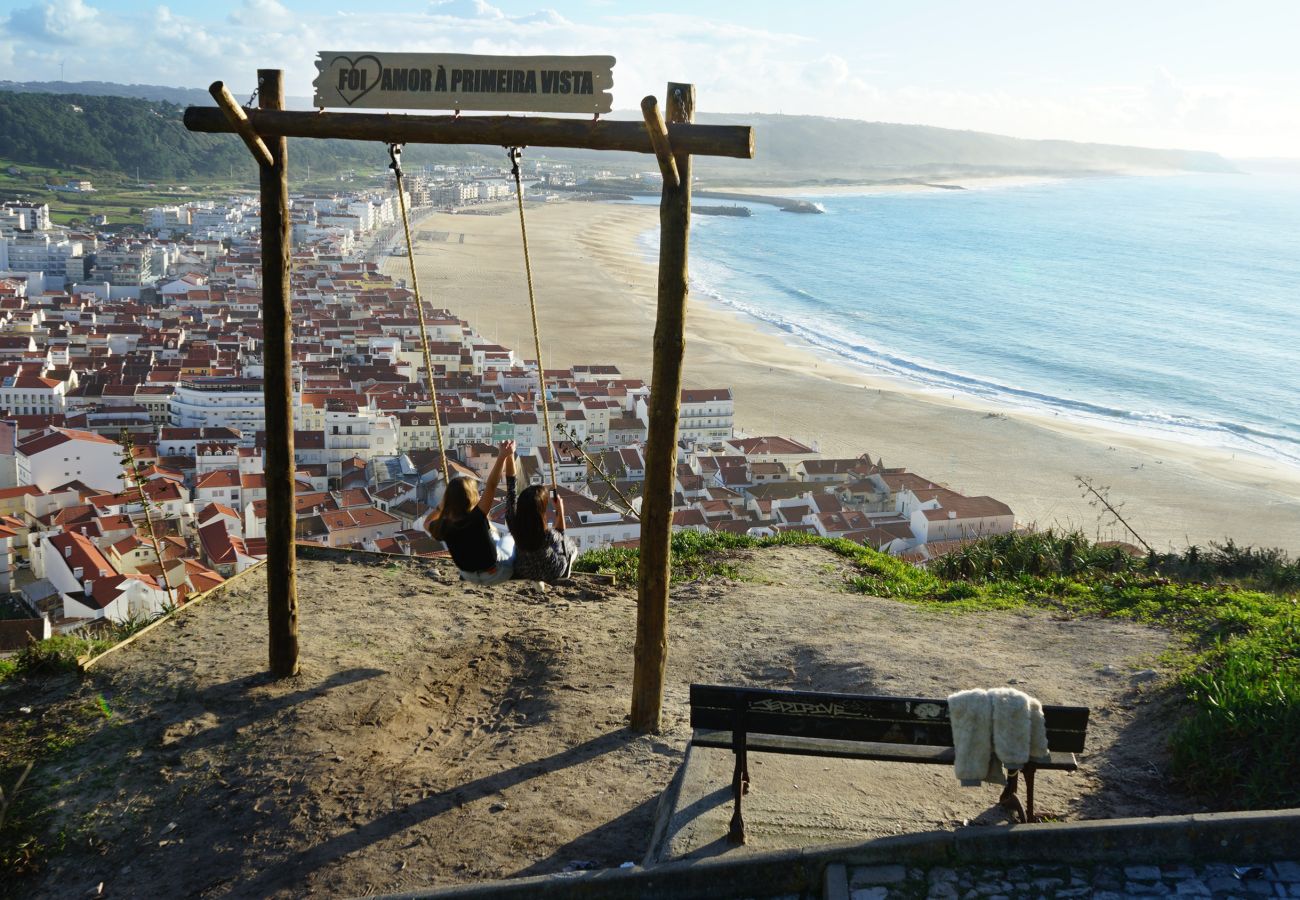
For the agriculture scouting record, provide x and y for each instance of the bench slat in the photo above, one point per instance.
(758, 721)
(804, 746)
(825, 716)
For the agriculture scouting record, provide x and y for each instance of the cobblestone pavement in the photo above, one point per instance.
(1101, 882)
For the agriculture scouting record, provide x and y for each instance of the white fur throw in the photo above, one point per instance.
(993, 728)
(971, 715)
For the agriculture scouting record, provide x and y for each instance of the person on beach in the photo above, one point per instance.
(482, 551)
(541, 553)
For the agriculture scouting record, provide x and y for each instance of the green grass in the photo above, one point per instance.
(45, 738)
(55, 655)
(1237, 607)
(60, 654)
(695, 555)
(122, 199)
(48, 739)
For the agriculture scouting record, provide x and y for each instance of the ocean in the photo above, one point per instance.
(1169, 305)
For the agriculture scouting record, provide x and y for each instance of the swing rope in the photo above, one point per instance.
(515, 154)
(395, 154)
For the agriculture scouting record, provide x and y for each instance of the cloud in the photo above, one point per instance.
(467, 9)
(261, 14)
(546, 17)
(55, 22)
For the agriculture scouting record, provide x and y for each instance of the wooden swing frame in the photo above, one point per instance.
(673, 143)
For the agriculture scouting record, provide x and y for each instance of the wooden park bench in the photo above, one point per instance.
(854, 726)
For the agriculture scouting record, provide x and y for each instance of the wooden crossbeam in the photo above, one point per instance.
(735, 141)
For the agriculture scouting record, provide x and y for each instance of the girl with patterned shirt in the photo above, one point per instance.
(541, 553)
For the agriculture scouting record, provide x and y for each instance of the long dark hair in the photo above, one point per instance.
(460, 497)
(529, 525)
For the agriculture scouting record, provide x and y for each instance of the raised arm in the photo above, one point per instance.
(488, 497)
(510, 492)
(558, 522)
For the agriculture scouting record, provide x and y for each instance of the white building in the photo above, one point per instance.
(18, 216)
(232, 402)
(772, 448)
(949, 516)
(24, 395)
(167, 218)
(128, 266)
(591, 526)
(8, 540)
(59, 455)
(44, 251)
(708, 415)
(357, 432)
(216, 221)
(91, 587)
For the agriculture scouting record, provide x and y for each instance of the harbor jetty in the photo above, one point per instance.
(785, 204)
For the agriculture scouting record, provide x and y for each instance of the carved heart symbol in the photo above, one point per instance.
(356, 80)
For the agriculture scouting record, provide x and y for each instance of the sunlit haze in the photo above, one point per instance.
(1208, 76)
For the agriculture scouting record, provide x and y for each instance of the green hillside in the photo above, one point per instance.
(122, 135)
(106, 134)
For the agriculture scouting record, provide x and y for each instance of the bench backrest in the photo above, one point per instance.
(854, 717)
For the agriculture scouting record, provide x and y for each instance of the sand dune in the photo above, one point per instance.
(596, 293)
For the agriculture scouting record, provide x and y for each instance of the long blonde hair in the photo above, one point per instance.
(460, 497)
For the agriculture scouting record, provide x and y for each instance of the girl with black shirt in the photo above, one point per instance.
(483, 553)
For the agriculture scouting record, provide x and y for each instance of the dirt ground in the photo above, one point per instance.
(442, 733)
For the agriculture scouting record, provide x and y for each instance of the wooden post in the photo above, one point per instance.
(651, 650)
(277, 358)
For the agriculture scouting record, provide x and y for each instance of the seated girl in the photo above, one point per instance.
(481, 550)
(541, 553)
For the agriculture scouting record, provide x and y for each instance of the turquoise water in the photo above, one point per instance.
(1170, 305)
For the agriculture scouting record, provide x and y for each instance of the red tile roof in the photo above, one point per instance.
(56, 437)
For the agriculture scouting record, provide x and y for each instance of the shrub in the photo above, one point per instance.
(55, 655)
(1040, 553)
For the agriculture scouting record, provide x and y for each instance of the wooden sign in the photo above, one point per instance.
(572, 84)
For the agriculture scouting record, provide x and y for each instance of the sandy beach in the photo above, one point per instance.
(596, 295)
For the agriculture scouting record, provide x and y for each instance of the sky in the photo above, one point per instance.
(1219, 76)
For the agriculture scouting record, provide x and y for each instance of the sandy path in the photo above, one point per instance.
(596, 298)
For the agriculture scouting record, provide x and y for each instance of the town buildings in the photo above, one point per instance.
(163, 344)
